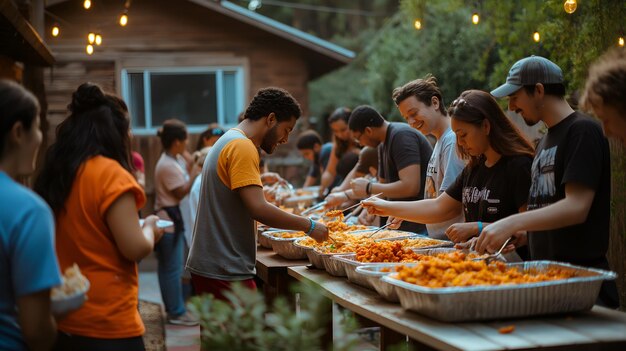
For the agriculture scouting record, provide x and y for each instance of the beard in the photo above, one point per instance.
(270, 140)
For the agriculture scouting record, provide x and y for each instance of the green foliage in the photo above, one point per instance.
(245, 323)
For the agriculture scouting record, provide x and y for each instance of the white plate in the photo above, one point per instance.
(161, 223)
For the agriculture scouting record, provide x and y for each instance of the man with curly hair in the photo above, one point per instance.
(223, 249)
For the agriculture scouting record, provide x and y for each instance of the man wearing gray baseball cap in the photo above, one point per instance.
(569, 198)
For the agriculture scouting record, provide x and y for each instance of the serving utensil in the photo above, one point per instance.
(493, 256)
(379, 229)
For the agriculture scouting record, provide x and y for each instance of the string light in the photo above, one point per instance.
(91, 37)
(570, 6)
(620, 41)
(56, 30)
(536, 37)
(98, 39)
(87, 4)
(124, 19)
(475, 18)
(417, 24)
(89, 49)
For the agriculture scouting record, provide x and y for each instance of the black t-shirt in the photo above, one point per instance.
(492, 193)
(573, 151)
(403, 147)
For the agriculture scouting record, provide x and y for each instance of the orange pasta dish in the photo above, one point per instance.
(385, 251)
(450, 271)
(288, 235)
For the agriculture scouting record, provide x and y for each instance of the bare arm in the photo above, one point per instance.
(271, 215)
(309, 181)
(571, 210)
(330, 172)
(134, 242)
(181, 191)
(407, 186)
(36, 321)
(441, 209)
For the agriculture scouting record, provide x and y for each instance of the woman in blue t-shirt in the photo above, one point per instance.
(493, 185)
(28, 263)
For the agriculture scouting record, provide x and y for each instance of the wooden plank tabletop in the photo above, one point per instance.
(597, 329)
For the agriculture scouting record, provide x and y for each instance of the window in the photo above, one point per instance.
(196, 96)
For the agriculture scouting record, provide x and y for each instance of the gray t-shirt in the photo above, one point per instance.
(443, 169)
(224, 239)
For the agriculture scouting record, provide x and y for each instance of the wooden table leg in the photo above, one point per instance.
(390, 338)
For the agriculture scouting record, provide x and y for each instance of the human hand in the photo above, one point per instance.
(151, 223)
(366, 218)
(461, 232)
(395, 222)
(493, 236)
(335, 199)
(467, 245)
(320, 233)
(359, 187)
(271, 178)
(376, 206)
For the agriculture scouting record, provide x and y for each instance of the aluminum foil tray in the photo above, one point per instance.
(264, 240)
(371, 273)
(286, 248)
(333, 267)
(457, 304)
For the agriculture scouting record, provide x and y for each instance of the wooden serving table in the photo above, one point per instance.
(598, 329)
(271, 269)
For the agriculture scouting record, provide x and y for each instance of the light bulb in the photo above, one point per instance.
(570, 6)
(620, 41)
(87, 4)
(418, 24)
(98, 40)
(536, 37)
(91, 37)
(475, 18)
(56, 30)
(123, 20)
(89, 49)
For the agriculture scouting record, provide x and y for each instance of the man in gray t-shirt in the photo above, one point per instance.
(421, 104)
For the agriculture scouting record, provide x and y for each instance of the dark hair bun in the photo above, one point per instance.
(86, 97)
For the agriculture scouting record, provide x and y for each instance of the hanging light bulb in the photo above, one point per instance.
(89, 49)
(417, 24)
(124, 19)
(570, 6)
(620, 41)
(475, 18)
(56, 30)
(87, 4)
(91, 37)
(536, 37)
(98, 40)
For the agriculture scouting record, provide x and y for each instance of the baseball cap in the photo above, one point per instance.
(529, 71)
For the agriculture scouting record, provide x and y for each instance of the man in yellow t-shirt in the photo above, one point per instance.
(223, 249)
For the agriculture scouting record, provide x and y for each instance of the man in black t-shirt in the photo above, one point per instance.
(568, 217)
(403, 157)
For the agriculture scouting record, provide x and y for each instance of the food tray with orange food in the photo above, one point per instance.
(335, 268)
(519, 290)
(384, 253)
(281, 241)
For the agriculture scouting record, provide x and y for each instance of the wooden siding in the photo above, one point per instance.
(165, 34)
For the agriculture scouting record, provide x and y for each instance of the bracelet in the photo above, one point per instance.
(480, 227)
(311, 228)
(368, 189)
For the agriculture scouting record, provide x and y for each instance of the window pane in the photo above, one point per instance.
(136, 95)
(188, 97)
(231, 110)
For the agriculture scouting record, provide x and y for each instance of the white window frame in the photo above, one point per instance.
(150, 129)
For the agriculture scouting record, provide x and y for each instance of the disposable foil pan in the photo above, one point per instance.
(315, 260)
(371, 273)
(264, 240)
(286, 248)
(456, 304)
(333, 267)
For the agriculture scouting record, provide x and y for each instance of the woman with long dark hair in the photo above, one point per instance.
(87, 180)
(345, 151)
(493, 185)
(28, 264)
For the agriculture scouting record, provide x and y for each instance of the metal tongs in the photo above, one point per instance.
(379, 229)
(313, 208)
(493, 256)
